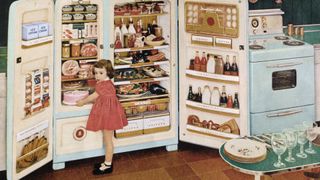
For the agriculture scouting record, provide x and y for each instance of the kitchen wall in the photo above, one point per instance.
(296, 11)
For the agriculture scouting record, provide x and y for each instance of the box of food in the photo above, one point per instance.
(30, 31)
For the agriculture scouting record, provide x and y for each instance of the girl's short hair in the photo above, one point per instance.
(104, 63)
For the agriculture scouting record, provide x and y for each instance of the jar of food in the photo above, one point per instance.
(66, 50)
(75, 50)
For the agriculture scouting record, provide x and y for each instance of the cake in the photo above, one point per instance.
(71, 97)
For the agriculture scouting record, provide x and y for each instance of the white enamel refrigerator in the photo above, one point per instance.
(52, 47)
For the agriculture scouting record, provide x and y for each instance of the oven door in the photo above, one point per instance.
(281, 84)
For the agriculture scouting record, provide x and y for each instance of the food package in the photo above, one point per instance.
(30, 31)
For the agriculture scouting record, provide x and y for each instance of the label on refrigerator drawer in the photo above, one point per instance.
(156, 122)
(33, 130)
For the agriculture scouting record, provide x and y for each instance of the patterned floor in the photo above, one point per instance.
(188, 163)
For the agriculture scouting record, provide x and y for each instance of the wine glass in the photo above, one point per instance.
(149, 6)
(291, 142)
(302, 139)
(311, 135)
(278, 143)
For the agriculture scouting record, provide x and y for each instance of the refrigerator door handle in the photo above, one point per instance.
(285, 113)
(284, 65)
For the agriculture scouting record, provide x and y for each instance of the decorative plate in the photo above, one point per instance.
(245, 150)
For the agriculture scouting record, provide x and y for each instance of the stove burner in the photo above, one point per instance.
(256, 47)
(293, 43)
(281, 37)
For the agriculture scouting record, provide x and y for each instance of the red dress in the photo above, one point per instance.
(107, 112)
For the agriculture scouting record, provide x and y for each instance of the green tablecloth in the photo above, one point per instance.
(266, 165)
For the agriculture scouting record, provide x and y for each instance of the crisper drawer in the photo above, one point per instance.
(156, 124)
(276, 121)
(134, 128)
(281, 84)
(71, 136)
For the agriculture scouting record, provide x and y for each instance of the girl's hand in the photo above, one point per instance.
(80, 103)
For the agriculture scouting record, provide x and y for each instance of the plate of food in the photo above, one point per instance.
(131, 91)
(152, 40)
(154, 71)
(70, 67)
(245, 150)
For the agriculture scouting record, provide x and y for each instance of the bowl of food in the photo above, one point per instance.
(161, 106)
(141, 108)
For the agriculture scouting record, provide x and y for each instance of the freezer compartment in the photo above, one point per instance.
(72, 137)
(276, 121)
(78, 47)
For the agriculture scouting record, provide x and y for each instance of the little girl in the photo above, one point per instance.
(106, 113)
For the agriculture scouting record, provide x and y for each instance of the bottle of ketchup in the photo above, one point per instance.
(203, 62)
(197, 62)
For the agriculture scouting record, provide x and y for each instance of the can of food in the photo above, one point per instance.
(66, 50)
(290, 29)
(75, 50)
(158, 31)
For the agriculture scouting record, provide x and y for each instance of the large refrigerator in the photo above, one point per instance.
(172, 60)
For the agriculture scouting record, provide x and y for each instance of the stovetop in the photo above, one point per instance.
(275, 47)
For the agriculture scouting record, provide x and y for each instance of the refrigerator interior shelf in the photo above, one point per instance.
(77, 21)
(37, 41)
(212, 76)
(141, 15)
(146, 47)
(152, 96)
(75, 79)
(78, 88)
(79, 58)
(149, 101)
(212, 108)
(211, 132)
(141, 80)
(79, 12)
(149, 115)
(209, 48)
(141, 64)
(82, 39)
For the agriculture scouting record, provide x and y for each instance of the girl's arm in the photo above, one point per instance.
(88, 99)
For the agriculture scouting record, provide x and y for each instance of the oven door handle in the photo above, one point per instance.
(284, 65)
(284, 113)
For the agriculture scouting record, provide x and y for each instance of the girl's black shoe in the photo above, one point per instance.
(103, 169)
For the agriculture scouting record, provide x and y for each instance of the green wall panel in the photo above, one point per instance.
(296, 11)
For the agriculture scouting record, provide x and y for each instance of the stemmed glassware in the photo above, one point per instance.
(291, 142)
(302, 139)
(311, 135)
(278, 143)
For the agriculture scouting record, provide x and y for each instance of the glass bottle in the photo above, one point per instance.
(199, 98)
(223, 98)
(229, 101)
(203, 63)
(190, 94)
(131, 28)
(124, 29)
(210, 64)
(66, 50)
(149, 27)
(236, 101)
(154, 25)
(215, 97)
(227, 66)
(197, 62)
(191, 66)
(234, 67)
(218, 65)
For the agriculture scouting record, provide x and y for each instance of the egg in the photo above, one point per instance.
(190, 7)
(234, 11)
(190, 14)
(228, 23)
(228, 17)
(189, 20)
(234, 24)
(195, 21)
(195, 7)
(234, 17)
(228, 10)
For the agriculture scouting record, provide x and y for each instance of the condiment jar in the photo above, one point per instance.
(75, 50)
(66, 50)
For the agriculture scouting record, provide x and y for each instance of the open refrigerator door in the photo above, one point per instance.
(30, 86)
(213, 71)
